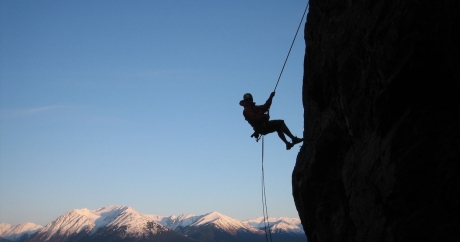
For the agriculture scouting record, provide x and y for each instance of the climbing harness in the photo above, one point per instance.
(261, 136)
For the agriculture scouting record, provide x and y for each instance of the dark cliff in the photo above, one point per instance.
(381, 93)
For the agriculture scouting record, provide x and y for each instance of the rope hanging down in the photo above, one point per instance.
(264, 197)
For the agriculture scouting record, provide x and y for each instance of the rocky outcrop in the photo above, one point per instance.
(381, 93)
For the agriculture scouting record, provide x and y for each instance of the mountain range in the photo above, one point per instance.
(123, 223)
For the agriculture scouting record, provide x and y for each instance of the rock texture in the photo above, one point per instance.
(381, 92)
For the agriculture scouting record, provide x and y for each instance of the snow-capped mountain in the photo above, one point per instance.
(215, 226)
(123, 223)
(176, 222)
(19, 231)
(113, 223)
(224, 223)
(80, 221)
(277, 225)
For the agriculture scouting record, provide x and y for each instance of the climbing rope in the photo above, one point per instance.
(289, 52)
(264, 197)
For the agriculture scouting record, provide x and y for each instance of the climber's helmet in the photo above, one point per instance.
(247, 96)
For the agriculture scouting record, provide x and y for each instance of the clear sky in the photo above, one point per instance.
(137, 103)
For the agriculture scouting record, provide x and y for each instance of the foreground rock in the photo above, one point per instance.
(381, 92)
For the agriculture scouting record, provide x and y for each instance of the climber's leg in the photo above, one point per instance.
(279, 127)
(286, 130)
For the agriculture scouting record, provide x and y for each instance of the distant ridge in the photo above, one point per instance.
(18, 232)
(123, 223)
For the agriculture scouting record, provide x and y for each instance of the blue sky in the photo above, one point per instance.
(136, 103)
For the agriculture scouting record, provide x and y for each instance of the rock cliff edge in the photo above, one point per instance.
(381, 93)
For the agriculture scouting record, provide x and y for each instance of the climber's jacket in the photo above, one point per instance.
(255, 114)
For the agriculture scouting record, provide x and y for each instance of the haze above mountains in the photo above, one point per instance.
(123, 223)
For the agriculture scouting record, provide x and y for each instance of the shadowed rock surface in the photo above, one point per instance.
(381, 93)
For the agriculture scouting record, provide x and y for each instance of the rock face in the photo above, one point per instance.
(381, 93)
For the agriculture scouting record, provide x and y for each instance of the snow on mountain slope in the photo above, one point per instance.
(225, 223)
(81, 220)
(105, 215)
(90, 221)
(18, 231)
(4, 227)
(278, 225)
(135, 223)
(176, 222)
(73, 222)
(284, 227)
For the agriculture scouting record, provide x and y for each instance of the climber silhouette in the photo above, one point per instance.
(258, 118)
